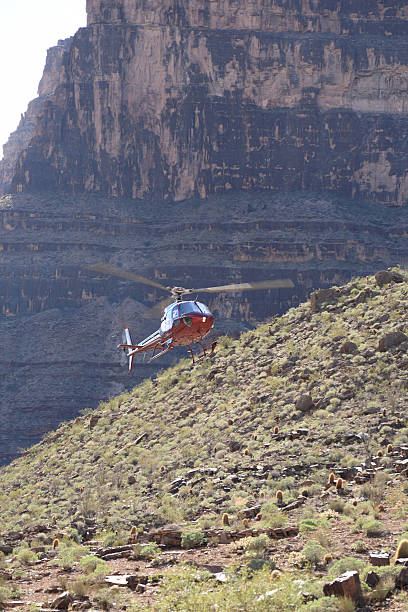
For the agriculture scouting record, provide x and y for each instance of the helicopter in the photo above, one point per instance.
(184, 322)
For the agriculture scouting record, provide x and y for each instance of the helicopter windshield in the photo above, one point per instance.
(186, 308)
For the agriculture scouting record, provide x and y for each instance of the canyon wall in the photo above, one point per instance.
(20, 139)
(176, 99)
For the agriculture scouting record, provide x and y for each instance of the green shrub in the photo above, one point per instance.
(308, 524)
(373, 528)
(193, 539)
(5, 594)
(69, 554)
(259, 563)
(323, 604)
(92, 564)
(313, 552)
(346, 564)
(146, 551)
(26, 556)
(272, 516)
(359, 546)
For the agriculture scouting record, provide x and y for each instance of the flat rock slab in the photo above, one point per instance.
(379, 558)
(126, 580)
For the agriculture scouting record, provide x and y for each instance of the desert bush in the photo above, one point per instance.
(323, 604)
(95, 569)
(5, 594)
(273, 517)
(359, 546)
(193, 539)
(146, 551)
(313, 552)
(373, 528)
(345, 564)
(25, 556)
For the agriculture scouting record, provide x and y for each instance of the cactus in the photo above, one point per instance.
(246, 451)
(380, 453)
(327, 559)
(276, 429)
(225, 520)
(381, 508)
(402, 550)
(245, 523)
(55, 543)
(389, 448)
(133, 532)
(332, 478)
(279, 496)
(339, 484)
(275, 575)
(305, 493)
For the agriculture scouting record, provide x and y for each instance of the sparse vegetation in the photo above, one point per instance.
(192, 469)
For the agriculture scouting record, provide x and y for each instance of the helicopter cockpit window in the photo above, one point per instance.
(166, 321)
(203, 308)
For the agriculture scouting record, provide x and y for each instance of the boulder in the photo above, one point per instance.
(348, 348)
(391, 340)
(401, 580)
(372, 579)
(93, 421)
(304, 403)
(347, 585)
(385, 277)
(322, 297)
(250, 512)
(63, 601)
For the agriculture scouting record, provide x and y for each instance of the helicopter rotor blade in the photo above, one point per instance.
(104, 268)
(284, 283)
(156, 311)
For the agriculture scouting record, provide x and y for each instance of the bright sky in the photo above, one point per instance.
(27, 29)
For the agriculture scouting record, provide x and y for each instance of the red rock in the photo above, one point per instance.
(347, 585)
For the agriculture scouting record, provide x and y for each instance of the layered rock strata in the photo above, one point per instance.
(60, 324)
(20, 139)
(175, 99)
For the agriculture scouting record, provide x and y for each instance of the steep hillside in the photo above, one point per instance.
(321, 389)
(60, 324)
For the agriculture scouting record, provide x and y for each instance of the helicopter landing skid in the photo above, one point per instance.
(153, 357)
(204, 354)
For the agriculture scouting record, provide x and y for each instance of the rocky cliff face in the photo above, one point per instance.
(20, 139)
(177, 99)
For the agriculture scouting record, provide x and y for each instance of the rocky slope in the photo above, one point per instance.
(177, 99)
(60, 324)
(252, 434)
(20, 139)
